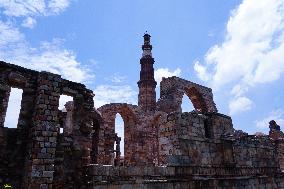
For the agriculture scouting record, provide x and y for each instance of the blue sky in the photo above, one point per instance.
(235, 47)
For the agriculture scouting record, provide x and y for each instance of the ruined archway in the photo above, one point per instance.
(196, 99)
(173, 89)
(108, 113)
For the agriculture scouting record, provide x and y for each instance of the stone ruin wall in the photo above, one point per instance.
(140, 134)
(172, 90)
(29, 151)
(157, 143)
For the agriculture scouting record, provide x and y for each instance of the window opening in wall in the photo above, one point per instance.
(61, 130)
(63, 117)
(186, 104)
(119, 130)
(62, 101)
(14, 107)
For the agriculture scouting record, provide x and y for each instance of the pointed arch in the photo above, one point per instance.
(109, 112)
(196, 99)
(186, 104)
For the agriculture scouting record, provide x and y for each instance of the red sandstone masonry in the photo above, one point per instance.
(164, 147)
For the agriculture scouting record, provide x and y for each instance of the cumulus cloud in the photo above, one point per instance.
(201, 71)
(240, 104)
(276, 115)
(14, 8)
(49, 56)
(106, 94)
(29, 22)
(116, 78)
(10, 36)
(252, 52)
(29, 9)
(165, 72)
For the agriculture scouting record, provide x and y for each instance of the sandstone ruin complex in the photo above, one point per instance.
(164, 147)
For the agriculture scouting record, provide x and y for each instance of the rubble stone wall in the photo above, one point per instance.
(34, 141)
(197, 177)
(280, 153)
(255, 152)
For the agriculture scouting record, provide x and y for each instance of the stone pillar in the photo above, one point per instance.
(68, 122)
(117, 151)
(82, 129)
(4, 99)
(44, 132)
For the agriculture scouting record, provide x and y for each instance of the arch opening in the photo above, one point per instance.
(196, 99)
(119, 139)
(186, 104)
(65, 114)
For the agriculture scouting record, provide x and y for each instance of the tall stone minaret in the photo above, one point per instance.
(147, 83)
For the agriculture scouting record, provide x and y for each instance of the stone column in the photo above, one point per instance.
(44, 131)
(4, 99)
(82, 129)
(117, 150)
(68, 122)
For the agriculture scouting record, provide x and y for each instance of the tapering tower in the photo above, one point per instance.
(147, 83)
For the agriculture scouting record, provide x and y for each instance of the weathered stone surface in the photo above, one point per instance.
(164, 147)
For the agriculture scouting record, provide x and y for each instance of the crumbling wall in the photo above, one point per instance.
(198, 177)
(253, 151)
(15, 142)
(172, 90)
(280, 153)
(190, 139)
(108, 113)
(140, 132)
(35, 138)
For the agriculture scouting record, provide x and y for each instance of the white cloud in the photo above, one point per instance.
(252, 52)
(240, 104)
(29, 22)
(57, 6)
(49, 56)
(29, 9)
(165, 72)
(239, 90)
(9, 35)
(201, 71)
(105, 94)
(277, 115)
(116, 78)
(15, 8)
